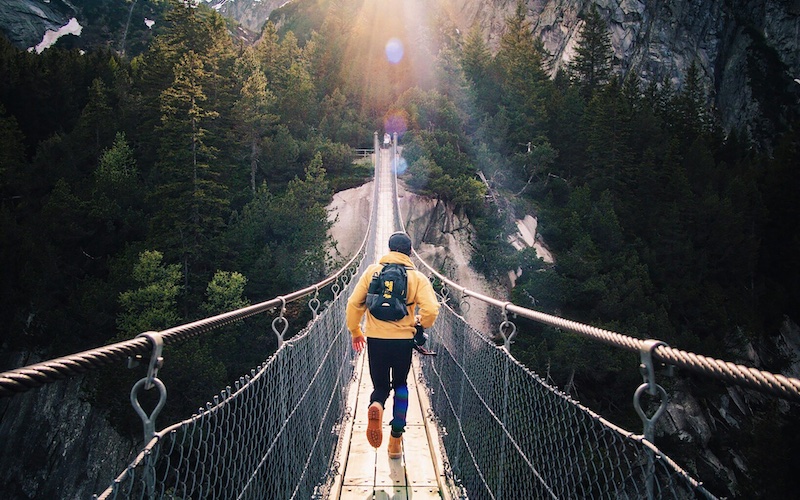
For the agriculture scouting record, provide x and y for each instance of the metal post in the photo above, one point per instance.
(376, 145)
(394, 152)
(148, 382)
(649, 385)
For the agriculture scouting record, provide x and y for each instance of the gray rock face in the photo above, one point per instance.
(25, 22)
(729, 40)
(660, 40)
(67, 449)
(252, 14)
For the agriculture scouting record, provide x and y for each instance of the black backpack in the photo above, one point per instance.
(387, 293)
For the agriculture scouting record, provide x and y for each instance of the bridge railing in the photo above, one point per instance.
(23, 379)
(363, 152)
(509, 434)
(290, 406)
(760, 380)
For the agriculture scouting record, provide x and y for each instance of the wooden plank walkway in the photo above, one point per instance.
(369, 473)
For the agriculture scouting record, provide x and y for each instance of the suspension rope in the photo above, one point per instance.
(36, 375)
(760, 380)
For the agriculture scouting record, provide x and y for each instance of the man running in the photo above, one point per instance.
(390, 343)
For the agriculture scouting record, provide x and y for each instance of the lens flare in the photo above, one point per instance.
(395, 122)
(402, 166)
(394, 50)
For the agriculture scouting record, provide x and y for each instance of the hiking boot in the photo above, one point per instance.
(375, 421)
(395, 447)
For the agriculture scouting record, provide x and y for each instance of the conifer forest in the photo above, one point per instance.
(190, 175)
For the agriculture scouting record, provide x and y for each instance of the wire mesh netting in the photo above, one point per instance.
(272, 436)
(507, 434)
(504, 432)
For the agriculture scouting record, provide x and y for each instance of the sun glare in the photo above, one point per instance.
(394, 50)
(387, 52)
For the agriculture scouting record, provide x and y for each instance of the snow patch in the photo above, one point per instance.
(149, 23)
(51, 37)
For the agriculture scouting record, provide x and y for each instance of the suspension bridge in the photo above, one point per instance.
(480, 424)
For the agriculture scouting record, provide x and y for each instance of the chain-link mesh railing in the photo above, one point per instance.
(271, 436)
(276, 433)
(505, 432)
(508, 434)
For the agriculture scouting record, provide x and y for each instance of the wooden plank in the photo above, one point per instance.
(419, 463)
(347, 429)
(432, 433)
(357, 492)
(389, 472)
(360, 470)
(425, 493)
(391, 493)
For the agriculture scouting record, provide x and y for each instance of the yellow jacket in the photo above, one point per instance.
(420, 294)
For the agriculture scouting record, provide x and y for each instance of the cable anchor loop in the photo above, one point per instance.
(148, 382)
(444, 292)
(508, 330)
(463, 304)
(314, 302)
(649, 384)
(280, 319)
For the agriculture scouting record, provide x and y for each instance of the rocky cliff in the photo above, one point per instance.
(747, 50)
(252, 14)
(67, 448)
(24, 22)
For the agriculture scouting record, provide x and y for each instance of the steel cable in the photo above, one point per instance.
(760, 380)
(36, 375)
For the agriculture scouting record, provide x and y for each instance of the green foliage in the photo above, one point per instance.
(103, 157)
(153, 306)
(524, 85)
(225, 292)
(12, 156)
(592, 65)
(117, 168)
(476, 60)
(279, 240)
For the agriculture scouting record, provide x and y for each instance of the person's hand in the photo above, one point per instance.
(359, 343)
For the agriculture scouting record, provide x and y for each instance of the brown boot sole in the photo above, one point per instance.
(374, 432)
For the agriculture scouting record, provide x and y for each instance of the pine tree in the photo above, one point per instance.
(192, 202)
(154, 304)
(608, 147)
(97, 117)
(476, 60)
(592, 65)
(688, 110)
(254, 119)
(117, 168)
(12, 154)
(524, 83)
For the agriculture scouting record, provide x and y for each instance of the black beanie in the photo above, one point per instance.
(400, 242)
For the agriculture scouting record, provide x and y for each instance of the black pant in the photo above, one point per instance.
(389, 364)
